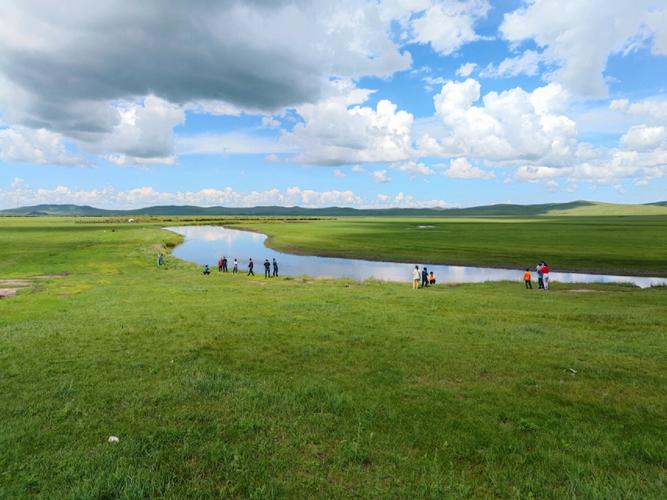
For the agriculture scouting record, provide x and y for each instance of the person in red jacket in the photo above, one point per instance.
(545, 275)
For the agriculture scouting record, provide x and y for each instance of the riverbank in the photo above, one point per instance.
(629, 246)
(205, 244)
(244, 387)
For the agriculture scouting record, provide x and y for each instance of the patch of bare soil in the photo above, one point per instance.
(15, 282)
(12, 286)
(49, 276)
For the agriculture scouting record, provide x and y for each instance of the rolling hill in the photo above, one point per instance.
(574, 208)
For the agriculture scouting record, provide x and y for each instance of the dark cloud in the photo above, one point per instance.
(67, 61)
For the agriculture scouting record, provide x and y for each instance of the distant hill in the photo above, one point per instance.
(574, 208)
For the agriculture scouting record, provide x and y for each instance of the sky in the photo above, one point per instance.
(398, 103)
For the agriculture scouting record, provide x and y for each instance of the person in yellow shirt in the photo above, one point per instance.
(527, 279)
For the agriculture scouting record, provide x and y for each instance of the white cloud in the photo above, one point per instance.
(380, 176)
(108, 197)
(25, 145)
(655, 109)
(642, 137)
(465, 70)
(144, 133)
(221, 58)
(530, 173)
(527, 63)
(333, 133)
(339, 173)
(413, 167)
(460, 168)
(579, 37)
(508, 127)
(270, 122)
(407, 201)
(447, 26)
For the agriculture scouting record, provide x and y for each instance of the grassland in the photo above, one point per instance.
(611, 245)
(236, 387)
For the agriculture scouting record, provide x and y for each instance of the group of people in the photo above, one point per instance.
(423, 278)
(542, 271)
(223, 267)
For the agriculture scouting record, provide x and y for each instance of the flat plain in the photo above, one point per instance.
(295, 387)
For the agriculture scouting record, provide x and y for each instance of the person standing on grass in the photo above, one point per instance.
(235, 269)
(224, 264)
(267, 268)
(545, 275)
(160, 260)
(219, 265)
(424, 277)
(540, 282)
(275, 268)
(527, 279)
(416, 276)
(251, 266)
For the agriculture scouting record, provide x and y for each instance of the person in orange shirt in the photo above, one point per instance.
(527, 279)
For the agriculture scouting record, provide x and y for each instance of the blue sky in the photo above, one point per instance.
(363, 103)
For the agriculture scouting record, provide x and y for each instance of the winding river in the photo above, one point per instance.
(206, 244)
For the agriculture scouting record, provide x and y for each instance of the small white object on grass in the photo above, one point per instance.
(113, 439)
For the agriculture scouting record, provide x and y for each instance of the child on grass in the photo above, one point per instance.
(527, 279)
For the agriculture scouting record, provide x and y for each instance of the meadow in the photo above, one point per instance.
(635, 246)
(293, 387)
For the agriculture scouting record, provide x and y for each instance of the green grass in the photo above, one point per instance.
(610, 210)
(234, 387)
(607, 245)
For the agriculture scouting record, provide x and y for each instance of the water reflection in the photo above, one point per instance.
(206, 244)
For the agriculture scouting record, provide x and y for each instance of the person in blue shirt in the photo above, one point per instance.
(275, 268)
(424, 277)
(206, 270)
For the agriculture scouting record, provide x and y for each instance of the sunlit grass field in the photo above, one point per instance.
(634, 246)
(293, 387)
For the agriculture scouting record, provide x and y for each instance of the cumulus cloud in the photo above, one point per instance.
(530, 132)
(380, 176)
(460, 168)
(335, 131)
(25, 145)
(580, 38)
(413, 167)
(654, 109)
(65, 67)
(507, 127)
(108, 197)
(447, 26)
(408, 201)
(642, 137)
